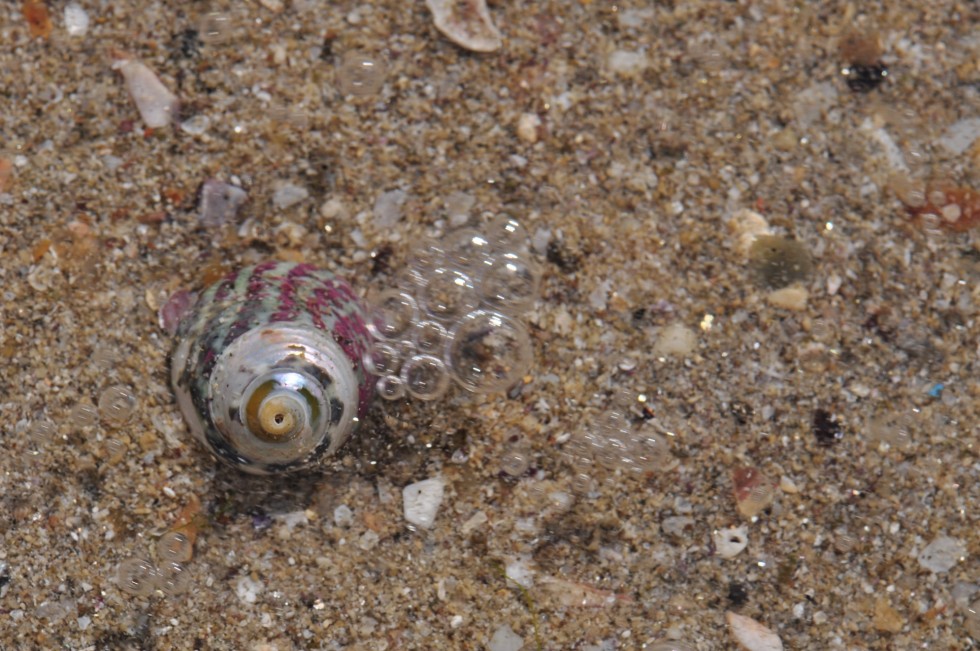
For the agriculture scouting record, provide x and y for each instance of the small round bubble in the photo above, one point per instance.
(390, 387)
(467, 249)
(515, 462)
(425, 377)
(505, 233)
(360, 74)
(84, 414)
(430, 337)
(429, 256)
(392, 314)
(136, 576)
(448, 295)
(382, 359)
(175, 546)
(510, 284)
(117, 404)
(42, 432)
(214, 27)
(174, 578)
(582, 483)
(489, 352)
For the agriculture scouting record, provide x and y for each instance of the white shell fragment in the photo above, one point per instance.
(76, 19)
(942, 554)
(466, 23)
(752, 635)
(155, 102)
(730, 542)
(422, 500)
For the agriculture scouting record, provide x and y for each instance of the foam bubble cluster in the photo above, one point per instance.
(455, 315)
(620, 436)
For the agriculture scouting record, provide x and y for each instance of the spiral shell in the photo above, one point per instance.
(267, 368)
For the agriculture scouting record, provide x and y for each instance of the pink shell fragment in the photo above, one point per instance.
(219, 203)
(171, 312)
(156, 104)
(751, 635)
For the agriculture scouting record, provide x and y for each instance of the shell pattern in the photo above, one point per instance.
(267, 368)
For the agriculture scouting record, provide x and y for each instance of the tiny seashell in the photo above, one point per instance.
(466, 23)
(751, 635)
(156, 104)
(267, 368)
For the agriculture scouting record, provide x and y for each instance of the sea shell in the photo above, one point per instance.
(466, 23)
(155, 102)
(267, 368)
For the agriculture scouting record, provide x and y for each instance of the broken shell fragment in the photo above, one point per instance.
(466, 23)
(156, 104)
(751, 635)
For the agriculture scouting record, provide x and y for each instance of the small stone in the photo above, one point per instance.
(942, 554)
(248, 589)
(528, 127)
(343, 517)
(789, 298)
(505, 639)
(678, 526)
(675, 340)
(747, 225)
(466, 23)
(886, 618)
(787, 485)
(38, 18)
(754, 492)
(730, 542)
(478, 519)
(421, 501)
(368, 540)
(388, 208)
(751, 635)
(288, 194)
(196, 125)
(520, 571)
(154, 101)
(76, 19)
(961, 135)
(627, 63)
(219, 203)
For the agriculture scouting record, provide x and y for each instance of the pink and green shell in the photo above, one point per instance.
(267, 368)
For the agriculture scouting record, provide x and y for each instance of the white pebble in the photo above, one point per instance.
(477, 519)
(248, 589)
(942, 554)
(288, 194)
(505, 639)
(676, 340)
(155, 102)
(961, 135)
(196, 126)
(466, 23)
(388, 208)
(752, 635)
(628, 63)
(527, 127)
(730, 542)
(793, 297)
(422, 500)
(76, 19)
(368, 540)
(520, 571)
(343, 516)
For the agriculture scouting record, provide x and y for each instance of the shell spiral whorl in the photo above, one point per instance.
(267, 368)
